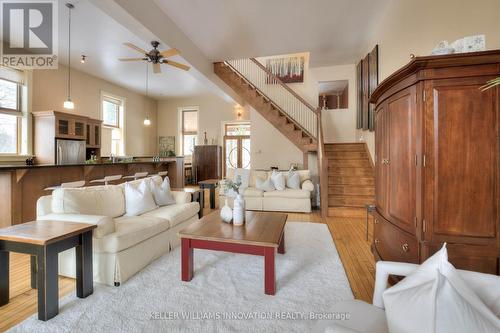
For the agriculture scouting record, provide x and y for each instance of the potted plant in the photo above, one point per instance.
(238, 212)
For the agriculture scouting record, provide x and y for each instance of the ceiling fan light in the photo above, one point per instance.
(68, 104)
(147, 122)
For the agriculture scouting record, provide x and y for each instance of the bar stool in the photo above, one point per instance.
(136, 176)
(107, 179)
(79, 183)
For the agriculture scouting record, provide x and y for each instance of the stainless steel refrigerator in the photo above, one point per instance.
(70, 151)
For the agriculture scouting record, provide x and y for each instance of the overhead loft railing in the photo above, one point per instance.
(278, 93)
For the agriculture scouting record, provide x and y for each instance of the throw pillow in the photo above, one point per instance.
(278, 180)
(264, 185)
(161, 193)
(435, 299)
(293, 180)
(139, 200)
(244, 175)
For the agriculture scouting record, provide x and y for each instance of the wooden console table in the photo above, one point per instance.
(44, 240)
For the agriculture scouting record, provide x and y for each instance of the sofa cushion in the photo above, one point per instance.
(264, 185)
(129, 231)
(107, 200)
(139, 199)
(253, 192)
(293, 180)
(288, 193)
(162, 193)
(278, 179)
(175, 213)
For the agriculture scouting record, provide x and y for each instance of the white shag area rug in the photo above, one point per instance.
(226, 293)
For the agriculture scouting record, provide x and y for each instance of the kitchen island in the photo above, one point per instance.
(22, 185)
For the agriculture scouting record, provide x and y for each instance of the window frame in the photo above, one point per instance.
(18, 113)
(185, 133)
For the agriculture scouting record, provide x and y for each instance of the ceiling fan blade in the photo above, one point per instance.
(137, 48)
(130, 59)
(169, 53)
(156, 68)
(176, 64)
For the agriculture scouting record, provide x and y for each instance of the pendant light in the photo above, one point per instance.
(147, 122)
(68, 104)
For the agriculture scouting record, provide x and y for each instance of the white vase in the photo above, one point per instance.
(239, 210)
(226, 213)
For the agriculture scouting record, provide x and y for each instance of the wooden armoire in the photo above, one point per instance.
(437, 161)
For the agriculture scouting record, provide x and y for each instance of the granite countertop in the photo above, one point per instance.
(22, 166)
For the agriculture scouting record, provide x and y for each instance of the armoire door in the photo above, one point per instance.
(380, 153)
(399, 157)
(462, 153)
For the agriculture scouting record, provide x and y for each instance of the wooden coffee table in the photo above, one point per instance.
(261, 234)
(43, 240)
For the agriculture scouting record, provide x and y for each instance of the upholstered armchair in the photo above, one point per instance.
(364, 317)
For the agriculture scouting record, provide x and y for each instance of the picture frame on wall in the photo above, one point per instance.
(287, 69)
(366, 83)
(373, 84)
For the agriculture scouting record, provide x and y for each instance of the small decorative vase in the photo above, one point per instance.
(226, 213)
(239, 210)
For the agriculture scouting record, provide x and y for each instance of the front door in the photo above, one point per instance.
(237, 146)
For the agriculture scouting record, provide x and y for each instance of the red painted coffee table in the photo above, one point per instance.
(261, 234)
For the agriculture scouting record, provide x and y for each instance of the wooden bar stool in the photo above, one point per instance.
(79, 183)
(136, 176)
(106, 179)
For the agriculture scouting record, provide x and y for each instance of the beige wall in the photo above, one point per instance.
(411, 26)
(338, 125)
(213, 110)
(268, 146)
(50, 91)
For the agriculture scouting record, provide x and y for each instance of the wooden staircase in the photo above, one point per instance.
(351, 182)
(270, 110)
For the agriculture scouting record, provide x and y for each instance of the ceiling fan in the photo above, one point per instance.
(156, 57)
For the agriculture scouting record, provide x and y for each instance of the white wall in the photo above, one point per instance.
(49, 91)
(417, 26)
(338, 125)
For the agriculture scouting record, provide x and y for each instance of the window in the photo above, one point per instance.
(237, 146)
(11, 115)
(189, 130)
(113, 113)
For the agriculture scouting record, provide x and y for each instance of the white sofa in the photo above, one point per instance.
(288, 200)
(364, 317)
(122, 245)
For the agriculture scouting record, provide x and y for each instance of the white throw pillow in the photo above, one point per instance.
(293, 180)
(264, 185)
(278, 180)
(139, 200)
(435, 299)
(161, 193)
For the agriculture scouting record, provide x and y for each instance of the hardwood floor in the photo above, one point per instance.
(347, 232)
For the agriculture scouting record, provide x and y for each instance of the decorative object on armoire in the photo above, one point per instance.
(226, 213)
(30, 160)
(68, 103)
(436, 166)
(287, 69)
(205, 140)
(467, 44)
(207, 162)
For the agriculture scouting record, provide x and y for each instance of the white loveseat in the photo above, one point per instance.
(122, 245)
(288, 200)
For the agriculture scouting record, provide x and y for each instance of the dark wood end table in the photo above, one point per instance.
(211, 184)
(197, 195)
(43, 240)
(262, 234)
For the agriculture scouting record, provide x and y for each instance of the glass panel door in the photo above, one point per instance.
(231, 153)
(245, 153)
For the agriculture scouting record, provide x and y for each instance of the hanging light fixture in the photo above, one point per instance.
(68, 104)
(147, 122)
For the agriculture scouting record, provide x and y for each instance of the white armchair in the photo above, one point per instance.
(364, 317)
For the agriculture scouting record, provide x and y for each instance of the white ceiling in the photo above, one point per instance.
(333, 31)
(101, 39)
